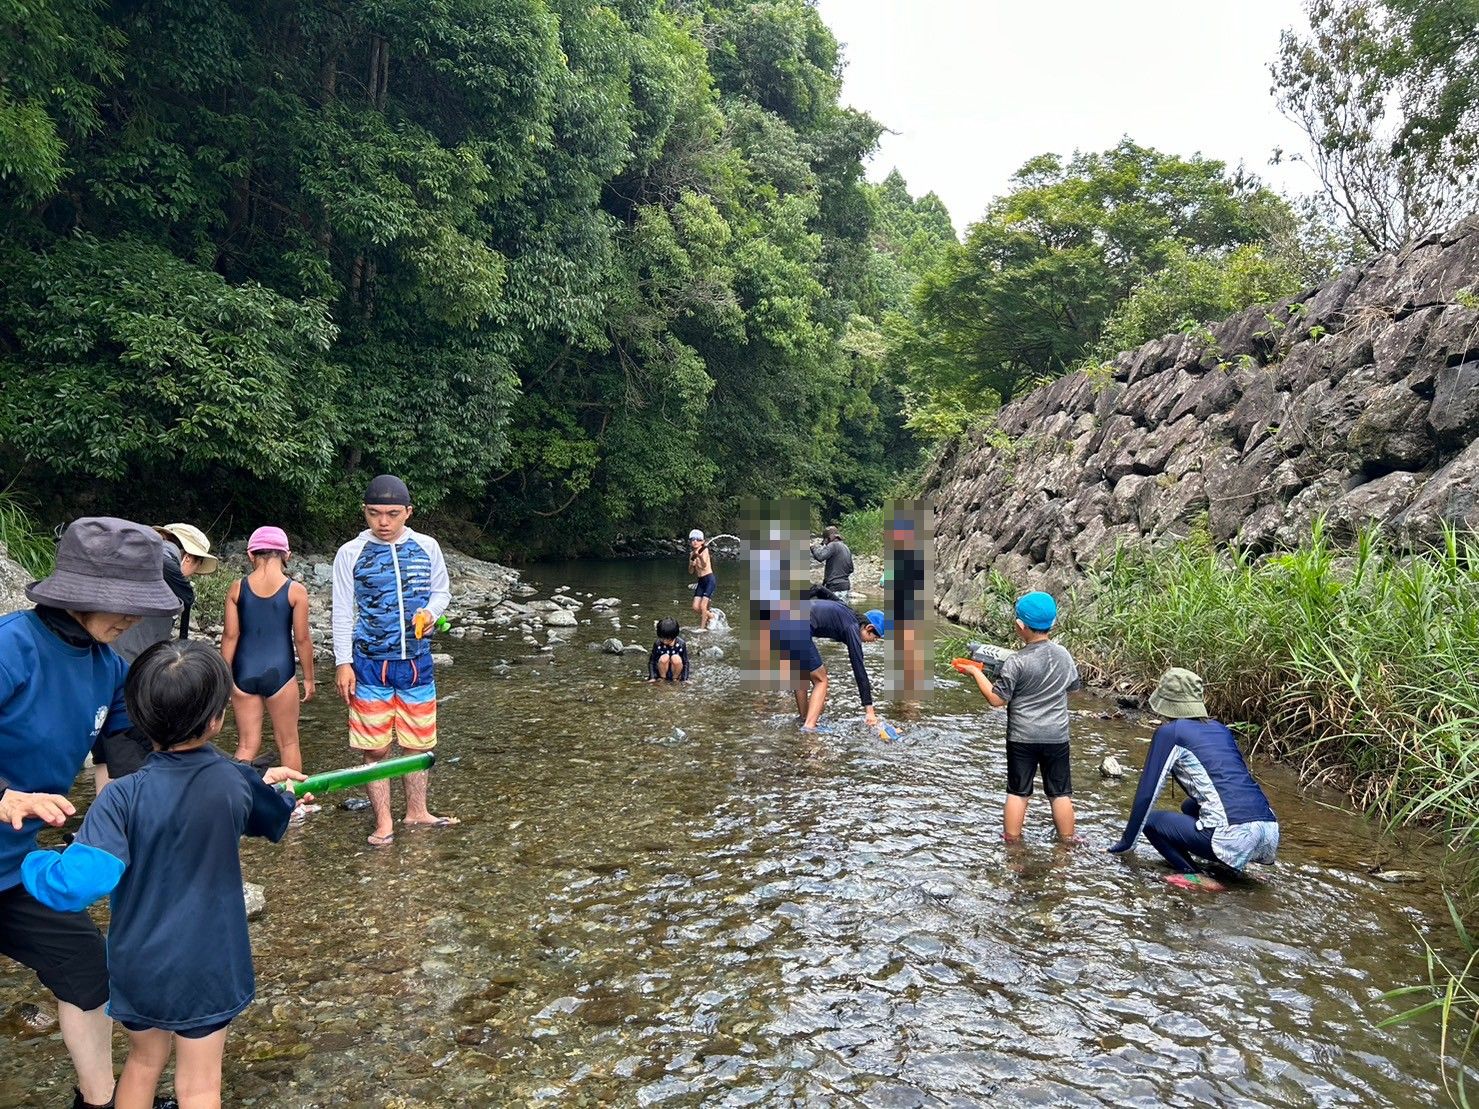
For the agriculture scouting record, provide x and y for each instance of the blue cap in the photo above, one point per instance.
(1038, 611)
(881, 623)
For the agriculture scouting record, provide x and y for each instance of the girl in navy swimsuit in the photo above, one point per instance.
(266, 612)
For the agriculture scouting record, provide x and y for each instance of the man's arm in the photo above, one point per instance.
(441, 583)
(1157, 765)
(343, 618)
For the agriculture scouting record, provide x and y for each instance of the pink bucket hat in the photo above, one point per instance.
(269, 539)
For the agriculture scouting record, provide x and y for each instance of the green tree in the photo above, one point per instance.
(1030, 290)
(1385, 92)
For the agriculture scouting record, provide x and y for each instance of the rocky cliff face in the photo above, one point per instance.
(1358, 400)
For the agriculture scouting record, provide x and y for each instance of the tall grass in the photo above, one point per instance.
(25, 541)
(1358, 663)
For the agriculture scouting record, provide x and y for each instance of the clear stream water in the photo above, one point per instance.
(667, 896)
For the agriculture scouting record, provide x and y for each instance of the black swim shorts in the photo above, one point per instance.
(1025, 759)
(66, 950)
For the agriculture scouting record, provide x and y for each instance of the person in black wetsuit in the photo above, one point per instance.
(266, 612)
(906, 591)
(794, 638)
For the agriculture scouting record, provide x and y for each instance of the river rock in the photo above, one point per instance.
(571, 603)
(713, 652)
(560, 618)
(1398, 877)
(439, 658)
(634, 649)
(607, 602)
(256, 899)
(1358, 401)
(1111, 767)
(613, 646)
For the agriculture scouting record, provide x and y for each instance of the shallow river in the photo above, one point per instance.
(668, 896)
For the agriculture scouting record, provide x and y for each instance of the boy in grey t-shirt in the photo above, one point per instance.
(1033, 687)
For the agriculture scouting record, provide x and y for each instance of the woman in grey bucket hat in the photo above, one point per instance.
(107, 565)
(61, 696)
(1226, 820)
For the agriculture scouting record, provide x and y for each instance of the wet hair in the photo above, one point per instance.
(175, 690)
(667, 628)
(279, 555)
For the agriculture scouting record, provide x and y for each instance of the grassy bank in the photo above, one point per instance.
(1359, 664)
(25, 541)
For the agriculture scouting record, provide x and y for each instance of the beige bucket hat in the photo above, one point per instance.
(193, 542)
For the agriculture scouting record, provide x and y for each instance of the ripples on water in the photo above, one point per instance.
(668, 897)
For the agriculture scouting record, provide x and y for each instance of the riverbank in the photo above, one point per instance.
(1358, 666)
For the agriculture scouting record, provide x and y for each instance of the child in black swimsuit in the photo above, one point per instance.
(266, 612)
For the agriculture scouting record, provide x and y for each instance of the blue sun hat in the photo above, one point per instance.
(881, 623)
(1038, 611)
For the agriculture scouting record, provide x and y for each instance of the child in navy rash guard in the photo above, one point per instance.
(165, 841)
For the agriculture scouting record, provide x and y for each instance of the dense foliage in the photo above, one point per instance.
(574, 269)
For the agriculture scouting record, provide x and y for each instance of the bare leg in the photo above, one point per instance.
(380, 801)
(1013, 816)
(416, 810)
(664, 669)
(198, 1070)
(88, 1034)
(818, 699)
(1063, 816)
(282, 707)
(675, 671)
(704, 618)
(148, 1052)
(248, 709)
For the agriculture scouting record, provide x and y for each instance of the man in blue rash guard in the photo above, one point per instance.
(794, 638)
(1226, 819)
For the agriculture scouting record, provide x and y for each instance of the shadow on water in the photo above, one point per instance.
(668, 896)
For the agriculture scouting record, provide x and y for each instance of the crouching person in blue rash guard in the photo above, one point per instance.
(165, 841)
(1226, 821)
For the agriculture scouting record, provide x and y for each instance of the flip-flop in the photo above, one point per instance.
(380, 841)
(439, 822)
(1195, 882)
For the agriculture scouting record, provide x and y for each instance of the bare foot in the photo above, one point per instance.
(431, 821)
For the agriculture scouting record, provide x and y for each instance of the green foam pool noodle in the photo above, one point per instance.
(348, 778)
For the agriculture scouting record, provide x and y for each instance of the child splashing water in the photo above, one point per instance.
(165, 841)
(266, 614)
(701, 566)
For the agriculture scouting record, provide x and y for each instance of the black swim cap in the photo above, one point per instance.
(388, 489)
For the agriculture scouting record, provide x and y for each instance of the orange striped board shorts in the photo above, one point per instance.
(395, 700)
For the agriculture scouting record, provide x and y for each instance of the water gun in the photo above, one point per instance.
(332, 780)
(985, 656)
(424, 622)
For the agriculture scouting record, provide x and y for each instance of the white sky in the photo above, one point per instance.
(973, 88)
